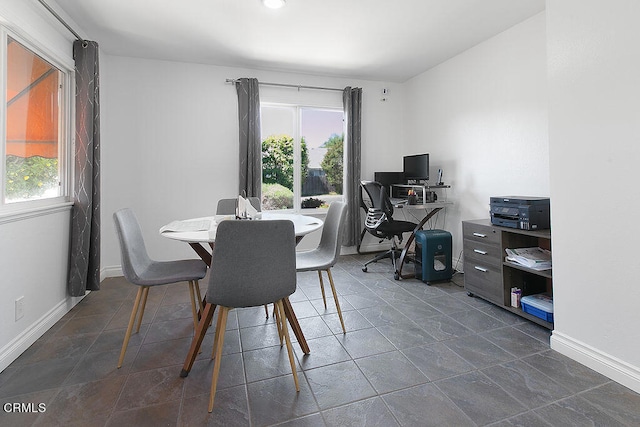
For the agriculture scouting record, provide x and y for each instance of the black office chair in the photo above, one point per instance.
(380, 223)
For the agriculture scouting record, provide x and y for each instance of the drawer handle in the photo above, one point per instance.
(484, 270)
(478, 251)
(480, 235)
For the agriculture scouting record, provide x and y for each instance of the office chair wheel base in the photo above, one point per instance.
(364, 269)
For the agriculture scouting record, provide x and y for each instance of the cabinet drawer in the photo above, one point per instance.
(483, 253)
(480, 233)
(485, 281)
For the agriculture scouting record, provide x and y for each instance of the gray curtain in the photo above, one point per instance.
(84, 257)
(352, 102)
(250, 144)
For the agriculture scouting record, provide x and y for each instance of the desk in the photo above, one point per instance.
(431, 209)
(199, 231)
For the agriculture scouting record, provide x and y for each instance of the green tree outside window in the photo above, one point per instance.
(333, 161)
(277, 160)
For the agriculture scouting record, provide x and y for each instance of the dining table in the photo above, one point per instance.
(201, 232)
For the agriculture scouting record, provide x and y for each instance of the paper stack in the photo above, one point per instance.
(535, 258)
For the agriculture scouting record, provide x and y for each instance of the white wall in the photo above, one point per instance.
(34, 246)
(482, 117)
(169, 140)
(594, 132)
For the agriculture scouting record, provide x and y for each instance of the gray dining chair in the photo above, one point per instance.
(228, 206)
(139, 269)
(253, 264)
(326, 254)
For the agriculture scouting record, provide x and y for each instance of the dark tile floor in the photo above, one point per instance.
(414, 355)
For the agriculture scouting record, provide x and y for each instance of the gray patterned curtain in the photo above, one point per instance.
(352, 102)
(250, 144)
(84, 257)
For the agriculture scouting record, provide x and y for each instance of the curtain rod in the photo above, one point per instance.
(53, 12)
(289, 85)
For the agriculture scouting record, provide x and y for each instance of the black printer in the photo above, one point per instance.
(525, 213)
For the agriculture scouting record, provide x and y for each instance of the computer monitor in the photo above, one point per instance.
(416, 167)
(389, 178)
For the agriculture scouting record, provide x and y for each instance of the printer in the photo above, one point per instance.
(525, 213)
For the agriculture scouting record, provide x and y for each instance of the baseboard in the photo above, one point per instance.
(22, 342)
(113, 271)
(603, 363)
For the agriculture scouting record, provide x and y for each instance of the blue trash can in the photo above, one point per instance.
(433, 255)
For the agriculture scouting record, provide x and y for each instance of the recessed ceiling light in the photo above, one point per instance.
(273, 4)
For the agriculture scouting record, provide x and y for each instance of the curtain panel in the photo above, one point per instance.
(84, 257)
(352, 103)
(249, 133)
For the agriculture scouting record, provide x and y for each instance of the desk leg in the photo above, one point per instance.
(203, 325)
(410, 240)
(295, 326)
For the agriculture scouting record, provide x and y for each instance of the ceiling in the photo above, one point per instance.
(381, 40)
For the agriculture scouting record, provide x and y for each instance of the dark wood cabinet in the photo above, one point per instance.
(489, 276)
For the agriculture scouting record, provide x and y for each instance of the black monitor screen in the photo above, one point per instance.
(416, 167)
(389, 178)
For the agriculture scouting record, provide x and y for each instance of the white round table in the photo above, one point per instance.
(203, 230)
(199, 231)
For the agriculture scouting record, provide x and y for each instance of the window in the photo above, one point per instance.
(302, 156)
(35, 122)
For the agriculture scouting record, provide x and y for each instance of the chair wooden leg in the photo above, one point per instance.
(203, 325)
(322, 289)
(144, 304)
(194, 304)
(219, 342)
(287, 339)
(216, 334)
(266, 310)
(132, 320)
(200, 303)
(335, 298)
(279, 321)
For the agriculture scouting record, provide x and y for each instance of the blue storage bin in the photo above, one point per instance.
(539, 305)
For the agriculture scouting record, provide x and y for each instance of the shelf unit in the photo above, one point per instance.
(489, 276)
(400, 191)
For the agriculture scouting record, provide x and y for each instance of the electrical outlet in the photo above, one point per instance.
(19, 308)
